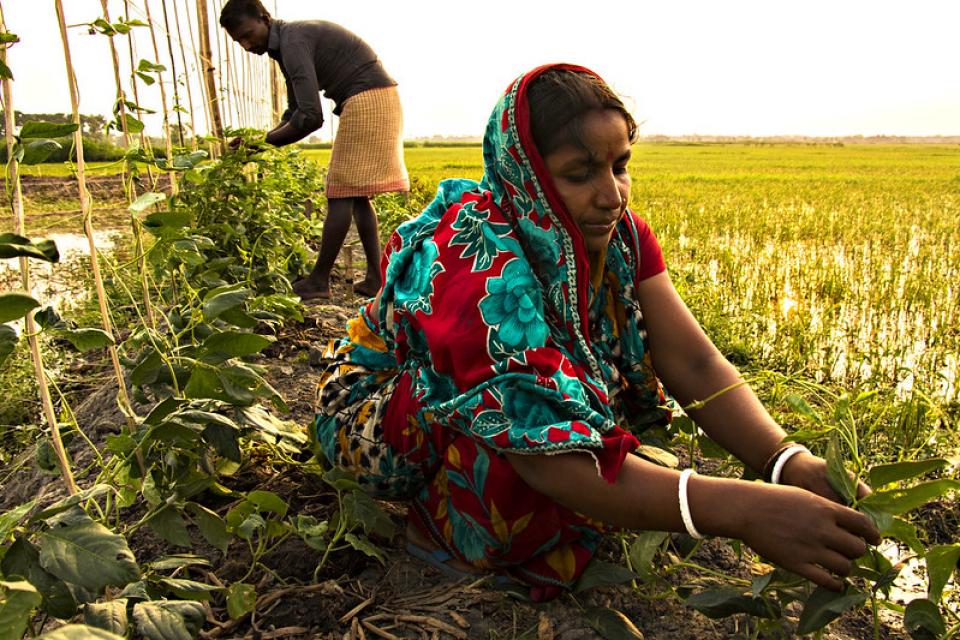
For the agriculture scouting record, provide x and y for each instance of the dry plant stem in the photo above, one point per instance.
(204, 98)
(131, 46)
(173, 71)
(85, 205)
(186, 75)
(30, 327)
(206, 57)
(168, 143)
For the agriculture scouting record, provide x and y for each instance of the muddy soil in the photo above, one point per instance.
(357, 597)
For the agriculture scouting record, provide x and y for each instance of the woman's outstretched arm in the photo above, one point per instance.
(693, 369)
(796, 529)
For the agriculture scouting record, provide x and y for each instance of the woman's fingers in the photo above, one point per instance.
(818, 575)
(858, 524)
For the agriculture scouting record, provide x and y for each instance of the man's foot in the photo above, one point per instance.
(311, 289)
(368, 288)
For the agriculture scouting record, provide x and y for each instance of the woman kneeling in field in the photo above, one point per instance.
(531, 315)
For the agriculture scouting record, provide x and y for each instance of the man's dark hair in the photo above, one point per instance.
(236, 11)
(559, 97)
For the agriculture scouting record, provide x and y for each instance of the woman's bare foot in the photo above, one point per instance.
(418, 539)
(368, 288)
(310, 288)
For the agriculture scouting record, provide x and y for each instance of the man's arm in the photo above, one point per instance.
(304, 114)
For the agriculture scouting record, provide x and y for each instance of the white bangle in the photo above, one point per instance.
(685, 505)
(782, 461)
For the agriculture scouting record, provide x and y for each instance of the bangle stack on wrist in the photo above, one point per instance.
(773, 468)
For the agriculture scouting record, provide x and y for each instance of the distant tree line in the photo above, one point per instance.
(93, 126)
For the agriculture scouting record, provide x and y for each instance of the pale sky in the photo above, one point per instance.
(717, 67)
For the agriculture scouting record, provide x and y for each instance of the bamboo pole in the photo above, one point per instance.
(131, 49)
(129, 186)
(186, 75)
(203, 25)
(173, 71)
(201, 70)
(167, 140)
(30, 325)
(86, 207)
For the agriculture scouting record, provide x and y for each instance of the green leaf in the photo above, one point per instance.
(168, 620)
(14, 306)
(203, 383)
(179, 561)
(883, 474)
(10, 519)
(189, 589)
(168, 524)
(358, 507)
(642, 552)
(89, 555)
(906, 533)
(110, 616)
(801, 406)
(241, 599)
(923, 620)
(164, 221)
(223, 298)
(341, 480)
(611, 624)
(79, 632)
(8, 38)
(727, 601)
(837, 474)
(22, 559)
(90, 493)
(146, 201)
(147, 371)
(133, 124)
(312, 531)
(362, 544)
(235, 344)
(36, 129)
(8, 342)
(150, 67)
(602, 574)
(20, 598)
(86, 339)
(225, 440)
(267, 501)
(899, 501)
(941, 563)
(38, 151)
(824, 606)
(14, 246)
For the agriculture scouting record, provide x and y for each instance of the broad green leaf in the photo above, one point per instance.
(203, 383)
(726, 601)
(10, 519)
(48, 318)
(5, 73)
(12, 246)
(906, 533)
(212, 526)
(824, 606)
(110, 616)
(20, 598)
(89, 555)
(23, 559)
(358, 507)
(146, 201)
(38, 151)
(8, 38)
(147, 371)
(225, 441)
(883, 474)
(837, 474)
(219, 300)
(611, 624)
(899, 501)
(86, 339)
(801, 406)
(46, 130)
(8, 342)
(268, 501)
(147, 67)
(90, 493)
(341, 480)
(168, 619)
(168, 524)
(312, 531)
(923, 620)
(189, 589)
(79, 632)
(362, 544)
(602, 574)
(161, 221)
(235, 344)
(14, 306)
(941, 563)
(642, 552)
(133, 124)
(241, 599)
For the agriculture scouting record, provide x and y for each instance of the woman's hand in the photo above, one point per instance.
(809, 472)
(806, 534)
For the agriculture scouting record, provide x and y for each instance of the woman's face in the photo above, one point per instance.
(592, 178)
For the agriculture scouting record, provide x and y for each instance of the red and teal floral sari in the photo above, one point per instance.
(490, 338)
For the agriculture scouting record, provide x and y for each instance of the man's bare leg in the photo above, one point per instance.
(335, 228)
(366, 218)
